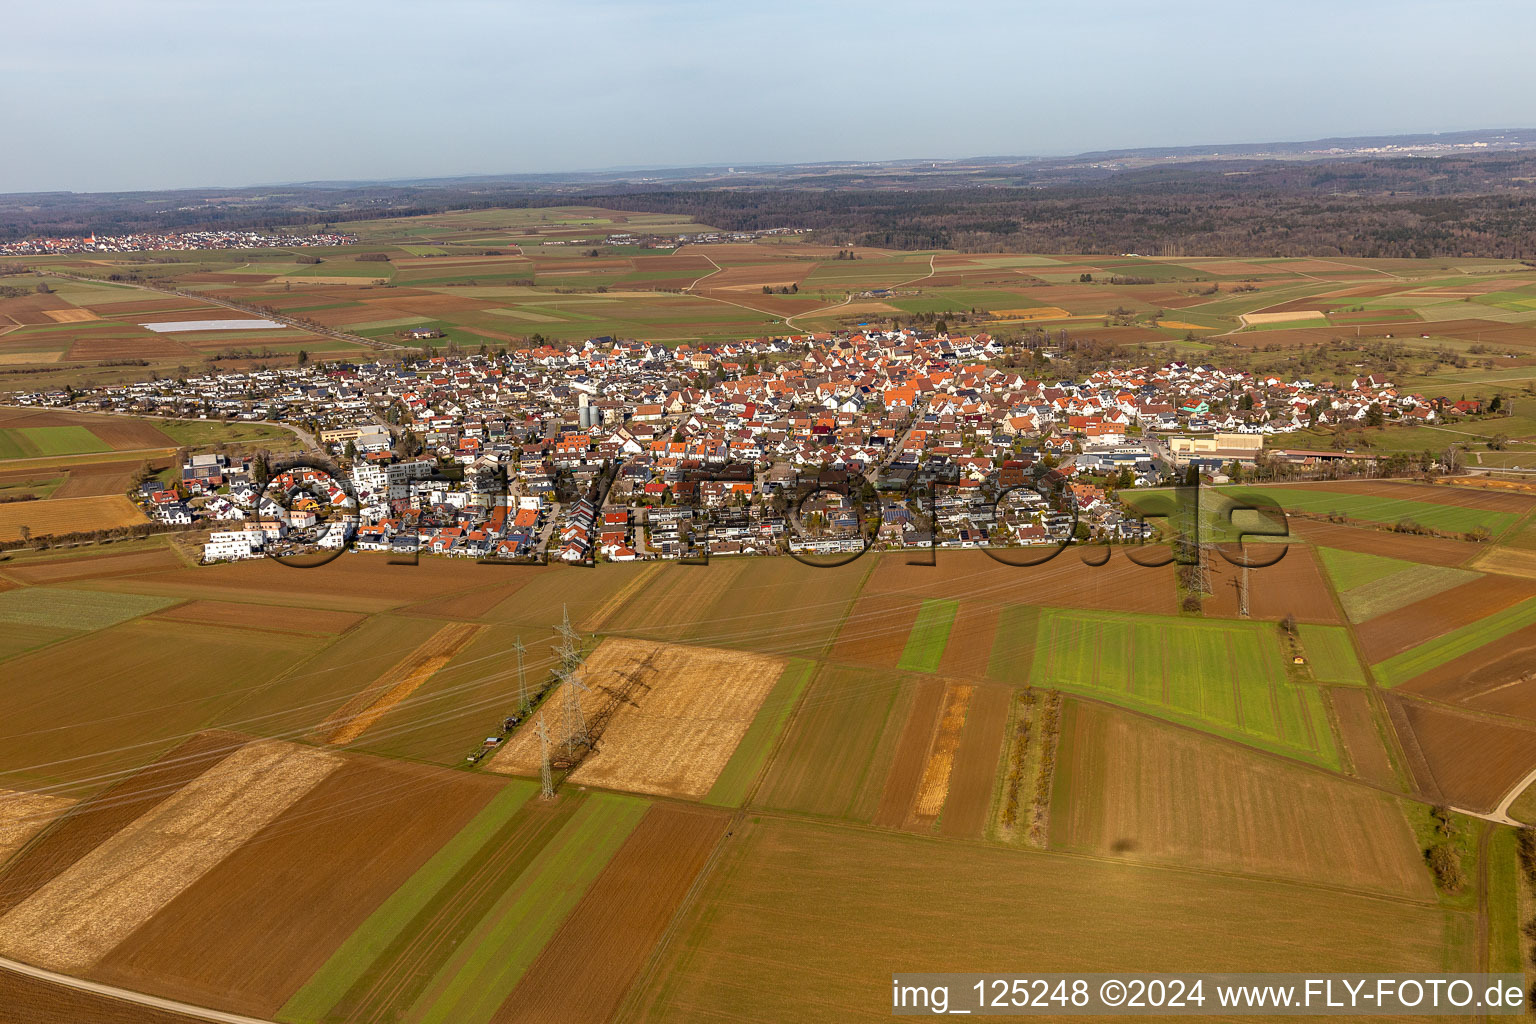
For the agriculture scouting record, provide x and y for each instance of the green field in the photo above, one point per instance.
(1450, 518)
(58, 608)
(1224, 677)
(33, 442)
(1331, 654)
(1373, 585)
(930, 633)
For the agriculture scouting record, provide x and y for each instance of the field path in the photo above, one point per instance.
(127, 995)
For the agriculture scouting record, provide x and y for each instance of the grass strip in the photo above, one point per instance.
(1417, 660)
(930, 633)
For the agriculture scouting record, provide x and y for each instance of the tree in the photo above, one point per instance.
(407, 445)
(26, 533)
(1374, 417)
(1192, 476)
(261, 471)
(351, 452)
(1498, 442)
(303, 357)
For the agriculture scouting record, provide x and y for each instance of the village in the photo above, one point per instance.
(823, 444)
(157, 241)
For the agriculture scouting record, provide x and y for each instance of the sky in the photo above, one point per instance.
(102, 95)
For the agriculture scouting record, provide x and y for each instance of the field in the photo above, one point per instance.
(675, 734)
(789, 886)
(1227, 678)
(1144, 791)
(193, 760)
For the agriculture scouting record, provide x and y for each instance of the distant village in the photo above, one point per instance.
(612, 450)
(156, 241)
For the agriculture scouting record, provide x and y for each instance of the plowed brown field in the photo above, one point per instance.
(1147, 791)
(25, 1000)
(126, 434)
(1429, 550)
(911, 756)
(65, 570)
(89, 824)
(1500, 677)
(97, 479)
(1292, 586)
(1065, 581)
(618, 922)
(976, 764)
(969, 649)
(1474, 760)
(1434, 616)
(875, 632)
(311, 876)
(276, 618)
(1363, 741)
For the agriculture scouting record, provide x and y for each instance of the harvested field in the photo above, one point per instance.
(1413, 624)
(876, 630)
(1363, 739)
(785, 923)
(67, 515)
(1428, 550)
(976, 764)
(356, 716)
(1507, 560)
(1141, 790)
(1474, 761)
(312, 875)
(23, 815)
(1292, 586)
(969, 650)
(1119, 584)
(274, 618)
(84, 912)
(933, 787)
(626, 910)
(691, 707)
(89, 824)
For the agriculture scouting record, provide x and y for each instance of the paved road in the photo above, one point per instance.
(126, 995)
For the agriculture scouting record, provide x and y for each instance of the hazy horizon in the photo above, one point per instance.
(178, 95)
